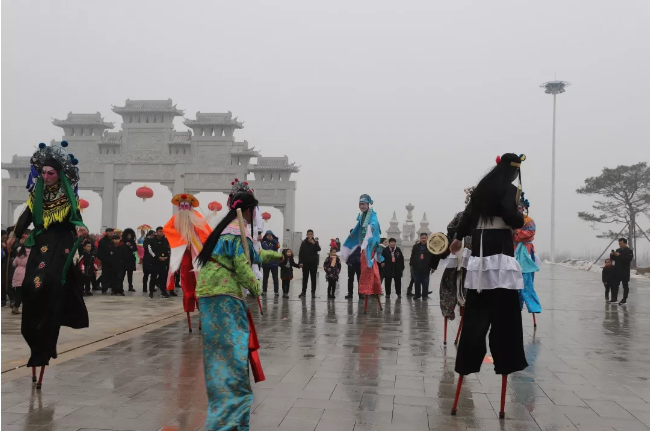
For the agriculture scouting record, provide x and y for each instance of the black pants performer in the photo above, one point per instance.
(497, 311)
(398, 285)
(307, 271)
(352, 270)
(265, 279)
(115, 279)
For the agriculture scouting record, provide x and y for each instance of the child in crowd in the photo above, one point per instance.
(286, 270)
(114, 267)
(609, 279)
(20, 265)
(87, 266)
(332, 267)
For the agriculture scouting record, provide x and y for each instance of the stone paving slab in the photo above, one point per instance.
(330, 367)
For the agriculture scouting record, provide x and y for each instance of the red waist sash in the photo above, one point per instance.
(253, 347)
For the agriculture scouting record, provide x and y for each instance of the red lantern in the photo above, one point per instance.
(83, 204)
(214, 206)
(144, 193)
(266, 216)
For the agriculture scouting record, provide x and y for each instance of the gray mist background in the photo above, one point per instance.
(409, 101)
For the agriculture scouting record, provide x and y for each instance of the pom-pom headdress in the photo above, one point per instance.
(57, 157)
(238, 187)
(523, 202)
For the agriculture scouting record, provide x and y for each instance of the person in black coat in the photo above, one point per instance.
(130, 252)
(354, 268)
(308, 259)
(160, 251)
(102, 248)
(286, 270)
(393, 267)
(622, 259)
(147, 262)
(113, 267)
(423, 263)
(609, 278)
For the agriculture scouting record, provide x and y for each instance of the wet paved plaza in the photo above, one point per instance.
(329, 367)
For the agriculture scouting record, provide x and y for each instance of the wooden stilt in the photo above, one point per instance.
(460, 326)
(189, 321)
(40, 378)
(379, 302)
(504, 383)
(534, 321)
(365, 308)
(197, 309)
(445, 339)
(33, 374)
(454, 409)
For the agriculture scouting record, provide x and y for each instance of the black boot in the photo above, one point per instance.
(302, 294)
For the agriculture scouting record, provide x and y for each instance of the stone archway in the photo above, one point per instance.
(133, 211)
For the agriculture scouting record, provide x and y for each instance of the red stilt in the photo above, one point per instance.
(534, 321)
(445, 339)
(33, 374)
(365, 308)
(460, 326)
(189, 321)
(454, 409)
(379, 302)
(40, 378)
(504, 383)
(259, 303)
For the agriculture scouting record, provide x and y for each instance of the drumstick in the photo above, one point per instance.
(244, 242)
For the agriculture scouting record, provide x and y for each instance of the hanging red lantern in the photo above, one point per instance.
(83, 204)
(214, 206)
(266, 216)
(144, 193)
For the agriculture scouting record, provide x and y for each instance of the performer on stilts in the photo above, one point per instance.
(229, 337)
(528, 260)
(452, 290)
(186, 232)
(494, 277)
(367, 235)
(52, 294)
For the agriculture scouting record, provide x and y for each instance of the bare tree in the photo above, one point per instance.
(625, 192)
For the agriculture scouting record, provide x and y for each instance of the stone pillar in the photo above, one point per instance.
(108, 198)
(289, 217)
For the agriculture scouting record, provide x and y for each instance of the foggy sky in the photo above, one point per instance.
(406, 101)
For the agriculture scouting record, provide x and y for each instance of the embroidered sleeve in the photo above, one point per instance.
(245, 276)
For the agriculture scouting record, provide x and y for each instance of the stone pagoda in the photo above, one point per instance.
(393, 231)
(424, 226)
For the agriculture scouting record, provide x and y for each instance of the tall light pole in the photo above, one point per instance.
(554, 88)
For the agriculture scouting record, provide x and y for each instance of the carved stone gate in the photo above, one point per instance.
(148, 149)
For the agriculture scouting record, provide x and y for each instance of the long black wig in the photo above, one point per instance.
(242, 201)
(493, 186)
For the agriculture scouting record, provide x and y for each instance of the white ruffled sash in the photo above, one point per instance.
(491, 272)
(451, 261)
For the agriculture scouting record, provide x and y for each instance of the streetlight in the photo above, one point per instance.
(554, 88)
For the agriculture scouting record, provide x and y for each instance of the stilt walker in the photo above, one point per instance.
(366, 234)
(494, 277)
(528, 260)
(230, 342)
(52, 295)
(452, 284)
(186, 232)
